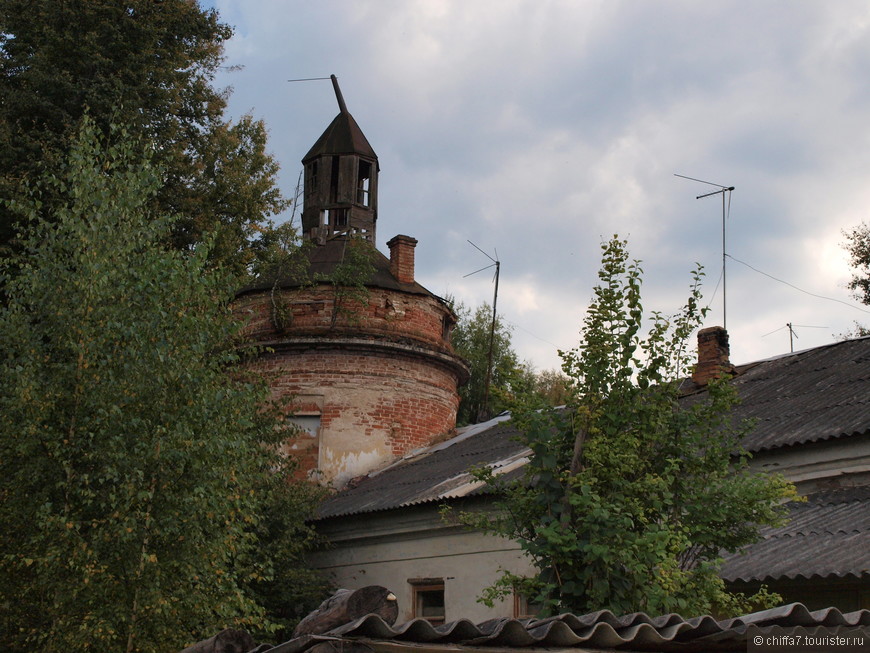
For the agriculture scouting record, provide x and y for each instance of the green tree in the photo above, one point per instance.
(138, 463)
(470, 340)
(550, 387)
(632, 491)
(858, 246)
(150, 66)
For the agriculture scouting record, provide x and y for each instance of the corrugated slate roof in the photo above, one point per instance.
(809, 396)
(597, 630)
(818, 394)
(827, 536)
(436, 473)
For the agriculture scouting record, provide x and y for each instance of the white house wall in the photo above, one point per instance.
(394, 551)
(819, 465)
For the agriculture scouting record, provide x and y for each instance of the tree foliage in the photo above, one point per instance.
(549, 387)
(632, 490)
(147, 65)
(510, 377)
(140, 483)
(470, 340)
(858, 246)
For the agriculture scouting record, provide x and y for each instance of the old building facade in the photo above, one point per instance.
(810, 413)
(356, 349)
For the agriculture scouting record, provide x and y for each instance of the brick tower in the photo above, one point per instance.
(366, 377)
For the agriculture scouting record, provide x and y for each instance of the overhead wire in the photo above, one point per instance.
(535, 336)
(791, 285)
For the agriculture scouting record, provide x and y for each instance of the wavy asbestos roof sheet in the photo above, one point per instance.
(595, 631)
(808, 396)
(437, 473)
(818, 394)
(828, 536)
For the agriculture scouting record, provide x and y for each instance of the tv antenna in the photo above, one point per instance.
(723, 190)
(791, 332)
(483, 413)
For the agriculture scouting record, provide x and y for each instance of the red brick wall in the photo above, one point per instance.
(375, 404)
(385, 378)
(402, 258)
(388, 314)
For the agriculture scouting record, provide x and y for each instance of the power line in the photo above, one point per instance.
(791, 285)
(535, 336)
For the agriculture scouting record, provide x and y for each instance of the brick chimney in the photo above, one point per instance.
(713, 355)
(402, 258)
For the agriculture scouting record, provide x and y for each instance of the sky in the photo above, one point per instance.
(537, 129)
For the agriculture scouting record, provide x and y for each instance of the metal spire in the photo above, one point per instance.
(341, 105)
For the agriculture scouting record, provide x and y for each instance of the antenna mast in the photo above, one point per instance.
(723, 190)
(792, 334)
(483, 413)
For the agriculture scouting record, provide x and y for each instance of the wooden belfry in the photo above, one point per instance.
(341, 181)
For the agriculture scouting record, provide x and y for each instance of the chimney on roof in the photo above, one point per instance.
(402, 258)
(713, 355)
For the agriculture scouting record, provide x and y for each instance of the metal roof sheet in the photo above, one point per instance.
(322, 261)
(827, 536)
(808, 396)
(434, 474)
(597, 630)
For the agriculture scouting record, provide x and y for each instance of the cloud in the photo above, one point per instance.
(538, 128)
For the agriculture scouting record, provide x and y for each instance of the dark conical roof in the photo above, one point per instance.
(343, 136)
(322, 261)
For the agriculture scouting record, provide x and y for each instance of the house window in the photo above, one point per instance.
(447, 324)
(524, 608)
(363, 183)
(428, 599)
(309, 424)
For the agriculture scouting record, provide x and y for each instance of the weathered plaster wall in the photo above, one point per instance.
(375, 404)
(396, 547)
(822, 465)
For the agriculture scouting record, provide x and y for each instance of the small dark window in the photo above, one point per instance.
(429, 601)
(447, 324)
(363, 183)
(333, 180)
(312, 178)
(339, 217)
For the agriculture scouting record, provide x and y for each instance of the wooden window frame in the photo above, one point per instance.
(420, 586)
